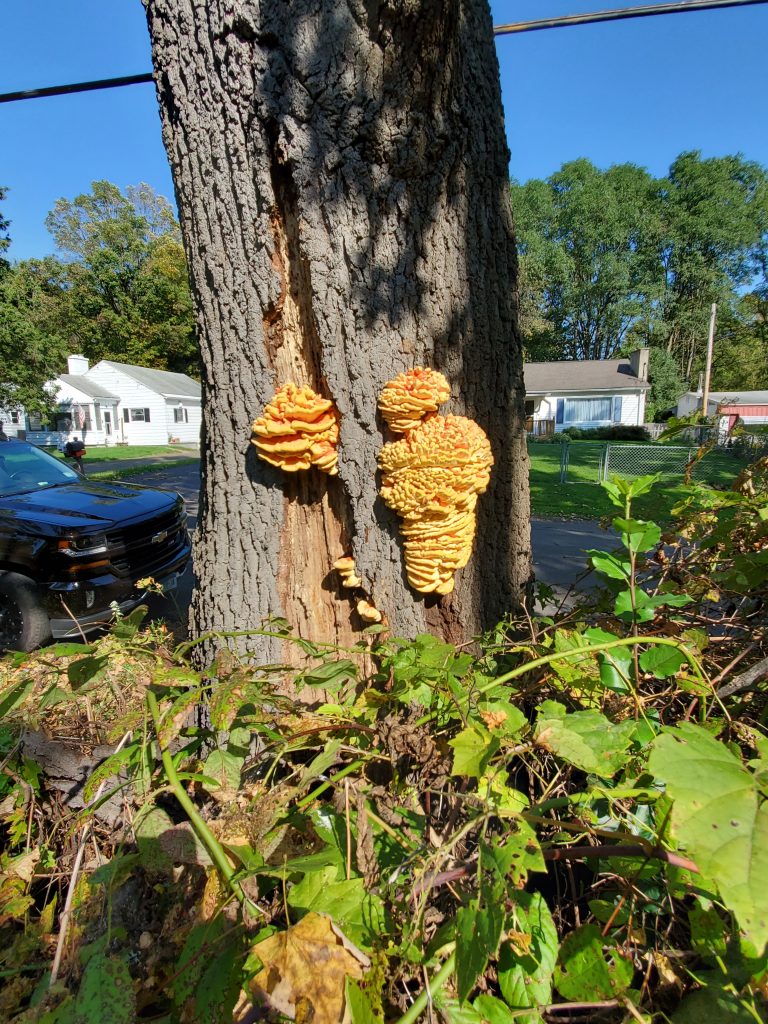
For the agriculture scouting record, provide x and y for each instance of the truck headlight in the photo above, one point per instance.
(82, 547)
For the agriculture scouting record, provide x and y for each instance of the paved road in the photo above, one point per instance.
(559, 545)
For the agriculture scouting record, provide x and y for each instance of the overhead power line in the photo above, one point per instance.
(621, 13)
(64, 90)
(564, 21)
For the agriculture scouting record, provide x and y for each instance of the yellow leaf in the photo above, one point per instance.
(304, 970)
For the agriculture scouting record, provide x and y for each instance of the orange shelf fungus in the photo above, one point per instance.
(297, 430)
(432, 478)
(407, 399)
(367, 612)
(345, 567)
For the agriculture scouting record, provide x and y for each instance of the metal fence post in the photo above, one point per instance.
(606, 463)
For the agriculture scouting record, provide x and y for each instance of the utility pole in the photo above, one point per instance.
(708, 363)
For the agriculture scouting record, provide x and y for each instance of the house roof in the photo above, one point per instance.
(739, 397)
(86, 385)
(567, 376)
(164, 382)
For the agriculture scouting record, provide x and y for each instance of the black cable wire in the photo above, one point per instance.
(645, 11)
(565, 21)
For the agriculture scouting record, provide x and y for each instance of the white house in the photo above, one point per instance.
(586, 393)
(155, 406)
(112, 403)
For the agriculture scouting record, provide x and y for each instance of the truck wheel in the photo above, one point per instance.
(24, 624)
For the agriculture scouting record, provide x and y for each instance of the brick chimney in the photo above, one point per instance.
(77, 365)
(638, 360)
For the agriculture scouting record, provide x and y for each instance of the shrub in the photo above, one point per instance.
(616, 433)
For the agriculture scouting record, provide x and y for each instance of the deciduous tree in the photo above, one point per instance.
(127, 292)
(341, 170)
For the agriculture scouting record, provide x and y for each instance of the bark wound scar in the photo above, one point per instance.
(316, 518)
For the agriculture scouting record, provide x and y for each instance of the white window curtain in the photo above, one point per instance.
(587, 410)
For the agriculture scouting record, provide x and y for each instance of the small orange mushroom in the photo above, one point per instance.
(405, 400)
(367, 612)
(432, 478)
(345, 567)
(298, 429)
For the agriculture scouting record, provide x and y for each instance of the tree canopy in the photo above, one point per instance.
(615, 258)
(126, 293)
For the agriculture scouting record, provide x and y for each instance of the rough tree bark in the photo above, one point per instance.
(341, 172)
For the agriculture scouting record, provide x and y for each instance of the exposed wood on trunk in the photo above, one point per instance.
(341, 172)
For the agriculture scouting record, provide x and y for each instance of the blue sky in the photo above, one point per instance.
(641, 91)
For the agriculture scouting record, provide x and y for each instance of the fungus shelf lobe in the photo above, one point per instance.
(297, 430)
(432, 478)
(405, 400)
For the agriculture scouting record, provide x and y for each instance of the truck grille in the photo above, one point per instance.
(143, 548)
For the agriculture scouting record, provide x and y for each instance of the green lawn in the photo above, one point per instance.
(130, 451)
(581, 497)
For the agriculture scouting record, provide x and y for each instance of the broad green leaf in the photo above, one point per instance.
(15, 696)
(148, 828)
(200, 944)
(493, 1011)
(330, 676)
(518, 853)
(454, 1012)
(86, 670)
(528, 956)
(709, 935)
(662, 661)
(478, 932)
(586, 739)
(472, 750)
(358, 1004)
(106, 994)
(636, 535)
(359, 914)
(583, 973)
(712, 1005)
(719, 818)
(513, 721)
(219, 981)
(224, 768)
(609, 565)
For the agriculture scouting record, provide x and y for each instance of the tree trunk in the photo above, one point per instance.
(341, 172)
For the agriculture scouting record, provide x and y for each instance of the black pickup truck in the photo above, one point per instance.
(71, 550)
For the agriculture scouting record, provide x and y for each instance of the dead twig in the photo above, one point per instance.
(745, 680)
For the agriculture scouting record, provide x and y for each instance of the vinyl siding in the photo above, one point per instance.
(632, 409)
(133, 396)
(185, 431)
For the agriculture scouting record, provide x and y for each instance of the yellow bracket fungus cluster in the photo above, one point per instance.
(297, 430)
(345, 567)
(407, 399)
(432, 478)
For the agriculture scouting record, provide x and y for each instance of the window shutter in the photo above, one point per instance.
(126, 416)
(146, 415)
(560, 414)
(617, 409)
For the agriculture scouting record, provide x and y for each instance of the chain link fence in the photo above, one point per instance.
(596, 462)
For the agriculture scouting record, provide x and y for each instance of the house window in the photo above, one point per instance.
(15, 417)
(588, 410)
(136, 415)
(181, 415)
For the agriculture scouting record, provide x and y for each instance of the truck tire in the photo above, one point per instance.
(24, 624)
